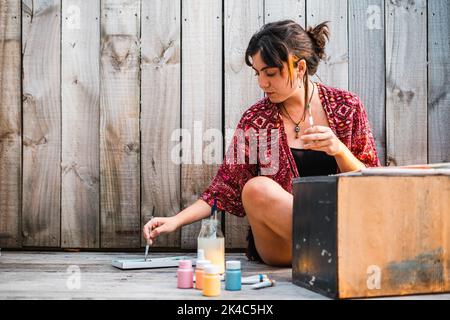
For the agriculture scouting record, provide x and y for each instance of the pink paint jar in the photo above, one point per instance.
(185, 275)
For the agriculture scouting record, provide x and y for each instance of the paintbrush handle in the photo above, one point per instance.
(146, 252)
(148, 242)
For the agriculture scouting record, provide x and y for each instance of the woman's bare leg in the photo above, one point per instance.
(269, 210)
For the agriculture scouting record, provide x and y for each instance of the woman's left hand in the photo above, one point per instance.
(322, 138)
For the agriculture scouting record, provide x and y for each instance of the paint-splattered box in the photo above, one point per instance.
(372, 236)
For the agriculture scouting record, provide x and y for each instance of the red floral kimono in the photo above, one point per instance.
(347, 119)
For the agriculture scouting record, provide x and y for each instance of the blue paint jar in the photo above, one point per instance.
(233, 276)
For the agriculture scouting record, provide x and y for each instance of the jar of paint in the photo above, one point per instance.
(233, 276)
(185, 275)
(199, 272)
(211, 281)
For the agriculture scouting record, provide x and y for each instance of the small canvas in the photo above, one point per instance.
(168, 262)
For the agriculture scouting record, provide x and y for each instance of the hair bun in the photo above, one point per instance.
(320, 35)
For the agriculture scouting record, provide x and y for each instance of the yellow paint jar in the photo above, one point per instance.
(211, 281)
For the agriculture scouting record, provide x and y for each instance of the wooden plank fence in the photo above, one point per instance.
(80, 115)
(103, 102)
(41, 114)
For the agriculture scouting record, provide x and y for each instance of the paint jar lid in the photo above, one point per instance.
(233, 265)
(200, 264)
(185, 264)
(212, 269)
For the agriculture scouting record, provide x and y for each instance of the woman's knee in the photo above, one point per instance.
(258, 191)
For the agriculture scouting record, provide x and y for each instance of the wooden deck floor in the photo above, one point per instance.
(44, 275)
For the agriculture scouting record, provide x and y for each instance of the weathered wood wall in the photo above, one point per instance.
(41, 121)
(93, 91)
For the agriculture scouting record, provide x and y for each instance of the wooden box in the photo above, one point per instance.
(372, 236)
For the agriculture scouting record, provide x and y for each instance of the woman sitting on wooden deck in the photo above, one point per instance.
(317, 130)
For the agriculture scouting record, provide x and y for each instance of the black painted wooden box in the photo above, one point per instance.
(371, 236)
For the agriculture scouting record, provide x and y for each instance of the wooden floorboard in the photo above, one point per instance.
(44, 275)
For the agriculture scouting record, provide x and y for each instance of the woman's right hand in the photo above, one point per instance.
(157, 226)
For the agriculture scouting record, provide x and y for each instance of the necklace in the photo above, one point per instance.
(308, 107)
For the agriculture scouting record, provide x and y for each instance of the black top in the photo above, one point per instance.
(313, 163)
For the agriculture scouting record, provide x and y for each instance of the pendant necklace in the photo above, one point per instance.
(297, 124)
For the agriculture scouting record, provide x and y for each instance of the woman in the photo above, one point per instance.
(322, 130)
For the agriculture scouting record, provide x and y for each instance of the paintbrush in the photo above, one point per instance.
(147, 246)
(146, 252)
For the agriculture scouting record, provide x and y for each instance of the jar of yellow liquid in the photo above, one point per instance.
(212, 242)
(211, 281)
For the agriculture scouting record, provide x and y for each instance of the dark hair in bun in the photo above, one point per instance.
(320, 35)
(287, 41)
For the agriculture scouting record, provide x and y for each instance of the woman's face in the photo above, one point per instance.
(274, 83)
